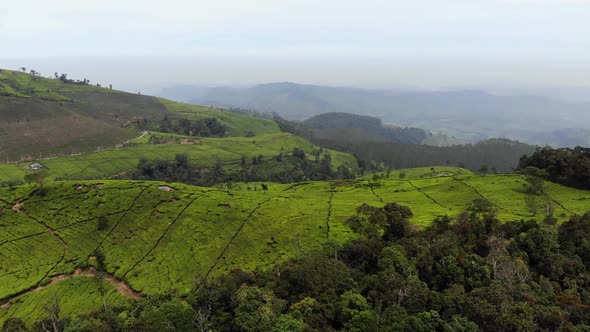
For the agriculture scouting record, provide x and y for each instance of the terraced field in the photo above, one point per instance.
(228, 151)
(159, 237)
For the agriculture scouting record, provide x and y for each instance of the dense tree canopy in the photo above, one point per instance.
(570, 167)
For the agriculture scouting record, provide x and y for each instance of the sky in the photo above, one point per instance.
(373, 43)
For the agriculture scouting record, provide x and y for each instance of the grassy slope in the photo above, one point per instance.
(228, 150)
(160, 241)
(45, 116)
(237, 124)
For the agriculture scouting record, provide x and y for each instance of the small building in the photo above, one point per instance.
(36, 167)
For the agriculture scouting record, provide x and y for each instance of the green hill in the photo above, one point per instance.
(157, 237)
(47, 117)
(203, 152)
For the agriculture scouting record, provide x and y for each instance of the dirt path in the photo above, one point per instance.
(138, 137)
(121, 286)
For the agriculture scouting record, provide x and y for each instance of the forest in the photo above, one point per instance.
(570, 167)
(395, 147)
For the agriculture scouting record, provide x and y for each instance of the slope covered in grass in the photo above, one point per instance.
(160, 237)
(47, 117)
(237, 124)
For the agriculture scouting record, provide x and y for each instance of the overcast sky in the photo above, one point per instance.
(366, 42)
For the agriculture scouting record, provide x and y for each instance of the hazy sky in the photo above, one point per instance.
(368, 42)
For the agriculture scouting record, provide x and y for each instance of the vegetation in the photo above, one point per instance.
(570, 167)
(284, 168)
(352, 127)
(218, 221)
(229, 153)
(467, 273)
(35, 110)
(132, 229)
(497, 155)
(469, 116)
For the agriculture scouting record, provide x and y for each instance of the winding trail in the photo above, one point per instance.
(121, 286)
(374, 193)
(236, 235)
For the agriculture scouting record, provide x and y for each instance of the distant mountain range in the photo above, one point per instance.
(468, 116)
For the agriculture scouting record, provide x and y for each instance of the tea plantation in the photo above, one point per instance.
(160, 237)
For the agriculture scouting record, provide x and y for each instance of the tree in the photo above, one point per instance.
(256, 309)
(37, 177)
(14, 325)
(53, 323)
(298, 153)
(484, 169)
(103, 224)
(398, 220)
(23, 69)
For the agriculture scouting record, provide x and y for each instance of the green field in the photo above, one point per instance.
(205, 153)
(159, 241)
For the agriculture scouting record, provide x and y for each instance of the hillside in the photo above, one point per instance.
(378, 146)
(361, 128)
(202, 152)
(156, 237)
(467, 115)
(47, 117)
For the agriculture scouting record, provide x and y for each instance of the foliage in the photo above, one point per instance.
(185, 232)
(455, 275)
(570, 167)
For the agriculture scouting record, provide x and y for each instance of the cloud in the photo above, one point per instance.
(419, 28)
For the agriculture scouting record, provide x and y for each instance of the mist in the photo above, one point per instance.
(149, 74)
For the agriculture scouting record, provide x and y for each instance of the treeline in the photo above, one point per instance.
(207, 127)
(361, 127)
(500, 155)
(351, 127)
(497, 155)
(283, 168)
(471, 273)
(570, 167)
